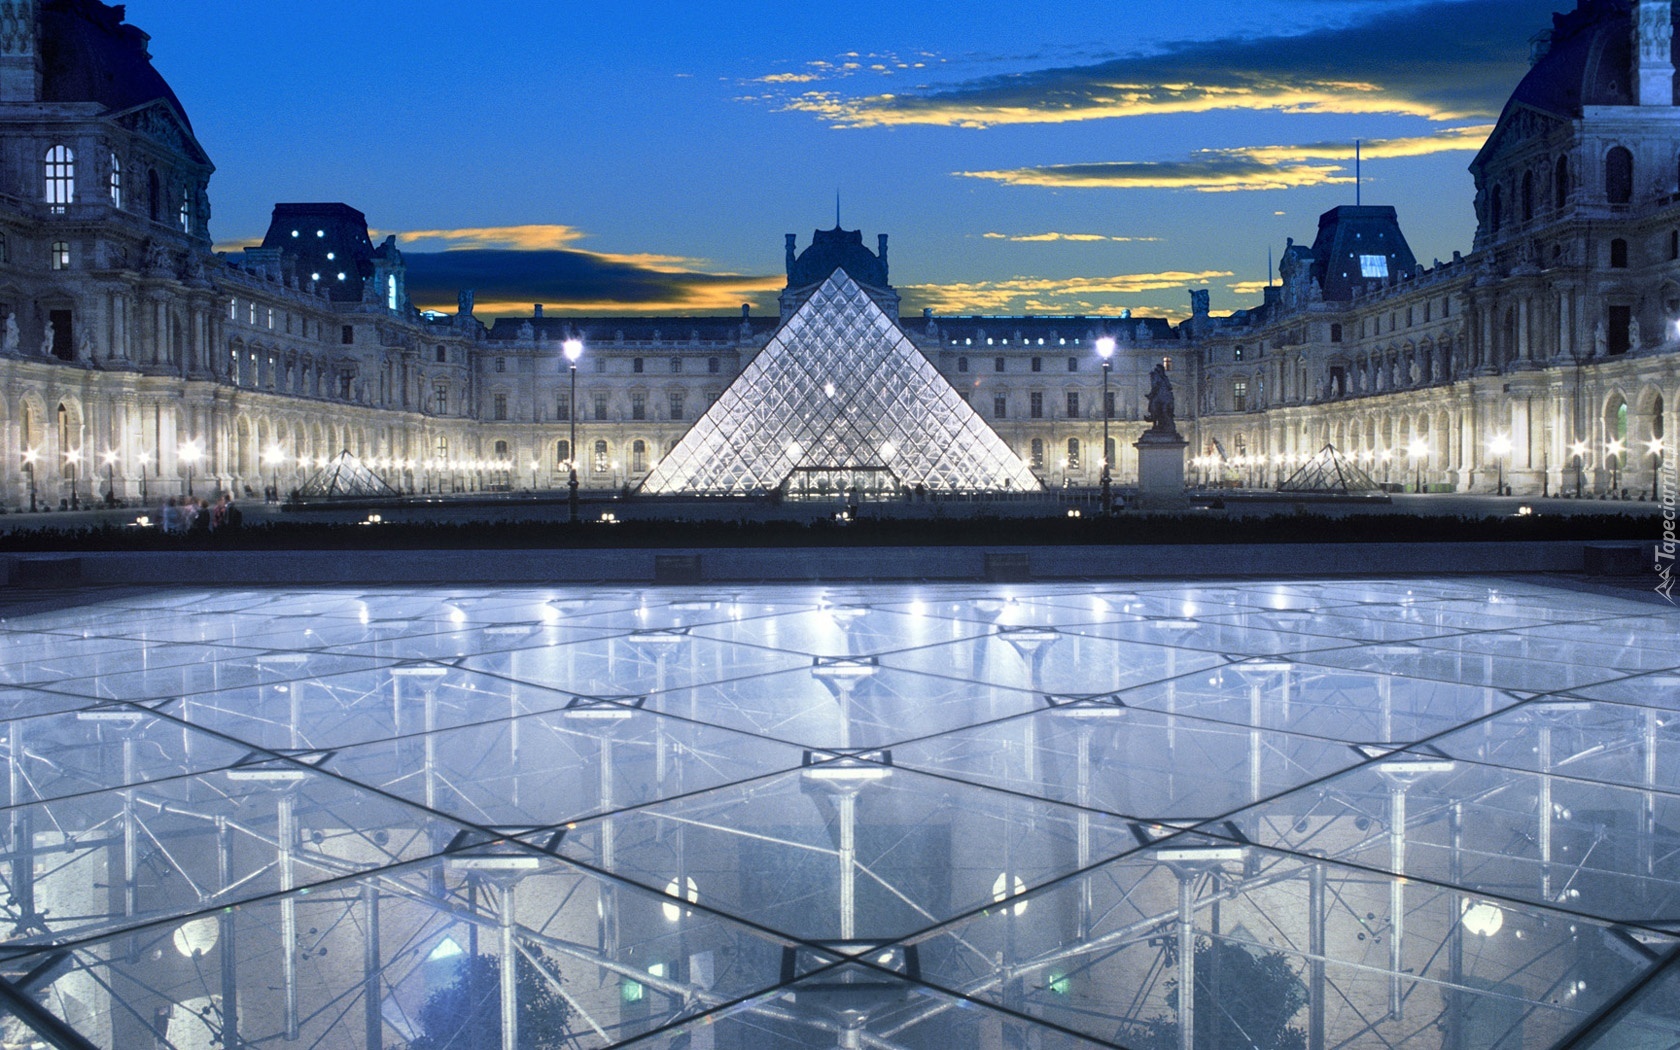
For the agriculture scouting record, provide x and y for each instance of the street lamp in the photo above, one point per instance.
(29, 457)
(1614, 450)
(110, 459)
(534, 465)
(1105, 350)
(1579, 451)
(1655, 448)
(1419, 452)
(74, 459)
(274, 455)
(190, 454)
(1501, 447)
(573, 349)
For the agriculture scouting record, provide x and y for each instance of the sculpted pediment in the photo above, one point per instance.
(159, 122)
(1519, 126)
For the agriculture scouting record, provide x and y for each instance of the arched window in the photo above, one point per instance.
(501, 450)
(391, 291)
(116, 182)
(1560, 183)
(1528, 196)
(60, 178)
(1618, 176)
(562, 451)
(1073, 454)
(600, 457)
(1618, 254)
(186, 215)
(1496, 209)
(1038, 453)
(638, 456)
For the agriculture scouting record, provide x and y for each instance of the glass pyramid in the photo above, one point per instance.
(1330, 471)
(840, 399)
(345, 476)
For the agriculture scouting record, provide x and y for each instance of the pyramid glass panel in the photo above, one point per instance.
(1347, 813)
(345, 477)
(840, 399)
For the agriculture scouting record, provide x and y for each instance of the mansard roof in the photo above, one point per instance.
(837, 249)
(89, 54)
(1587, 61)
(604, 332)
(306, 233)
(1347, 235)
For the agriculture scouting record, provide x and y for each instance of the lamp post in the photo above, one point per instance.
(1579, 451)
(29, 457)
(1419, 452)
(1500, 446)
(190, 453)
(534, 465)
(74, 459)
(1105, 350)
(1614, 451)
(110, 459)
(573, 349)
(274, 456)
(145, 462)
(1655, 448)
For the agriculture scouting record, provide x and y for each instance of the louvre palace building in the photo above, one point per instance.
(137, 362)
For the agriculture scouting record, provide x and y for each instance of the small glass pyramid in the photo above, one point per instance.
(840, 400)
(1330, 471)
(344, 476)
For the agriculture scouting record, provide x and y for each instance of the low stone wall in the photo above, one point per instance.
(678, 565)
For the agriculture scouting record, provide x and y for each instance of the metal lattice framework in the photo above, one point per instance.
(345, 476)
(1349, 814)
(840, 397)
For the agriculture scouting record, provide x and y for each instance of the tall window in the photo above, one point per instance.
(600, 406)
(1035, 405)
(1037, 459)
(391, 292)
(713, 366)
(1618, 254)
(636, 365)
(676, 404)
(1000, 406)
(61, 178)
(676, 366)
(562, 451)
(1073, 453)
(1618, 176)
(997, 364)
(501, 450)
(60, 255)
(638, 456)
(116, 182)
(563, 408)
(1073, 364)
(440, 395)
(600, 457)
(1239, 395)
(1073, 404)
(1038, 364)
(638, 405)
(186, 210)
(962, 364)
(442, 355)
(501, 406)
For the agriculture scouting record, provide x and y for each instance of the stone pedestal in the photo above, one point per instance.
(1160, 471)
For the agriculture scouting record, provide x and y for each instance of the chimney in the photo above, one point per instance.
(536, 311)
(791, 238)
(1653, 62)
(882, 241)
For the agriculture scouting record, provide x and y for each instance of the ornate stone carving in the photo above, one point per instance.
(17, 27)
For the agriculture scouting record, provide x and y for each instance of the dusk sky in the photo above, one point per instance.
(1067, 157)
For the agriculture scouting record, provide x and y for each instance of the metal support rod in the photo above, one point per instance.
(609, 853)
(1396, 897)
(571, 474)
(20, 832)
(1455, 943)
(1648, 818)
(848, 866)
(1186, 961)
(1084, 842)
(1315, 946)
(372, 998)
(287, 836)
(130, 829)
(225, 936)
(1546, 813)
(509, 974)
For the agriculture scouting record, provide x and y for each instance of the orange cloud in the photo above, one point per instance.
(1050, 294)
(1039, 238)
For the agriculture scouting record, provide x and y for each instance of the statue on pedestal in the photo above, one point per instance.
(1160, 407)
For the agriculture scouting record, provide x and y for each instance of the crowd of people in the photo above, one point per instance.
(189, 514)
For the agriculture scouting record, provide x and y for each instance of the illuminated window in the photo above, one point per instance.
(60, 255)
(1373, 266)
(271, 317)
(638, 456)
(116, 182)
(1166, 364)
(600, 457)
(1239, 396)
(186, 210)
(61, 178)
(1037, 459)
(391, 292)
(1073, 453)
(562, 451)
(233, 309)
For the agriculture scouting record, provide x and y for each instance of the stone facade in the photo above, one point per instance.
(135, 361)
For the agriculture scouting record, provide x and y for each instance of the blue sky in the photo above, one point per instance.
(1073, 156)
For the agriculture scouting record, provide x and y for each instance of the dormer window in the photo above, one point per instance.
(116, 182)
(1373, 266)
